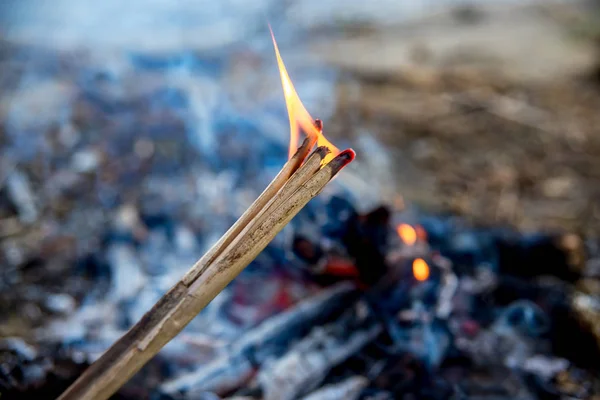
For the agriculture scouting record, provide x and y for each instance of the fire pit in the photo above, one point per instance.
(134, 169)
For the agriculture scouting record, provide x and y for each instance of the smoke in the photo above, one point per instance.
(158, 25)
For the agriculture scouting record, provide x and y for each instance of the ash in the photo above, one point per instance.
(114, 183)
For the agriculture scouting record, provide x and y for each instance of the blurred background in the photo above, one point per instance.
(133, 134)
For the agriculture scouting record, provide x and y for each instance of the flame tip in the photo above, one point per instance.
(299, 118)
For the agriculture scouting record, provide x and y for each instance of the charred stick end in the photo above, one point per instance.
(305, 144)
(304, 149)
(322, 151)
(319, 125)
(341, 160)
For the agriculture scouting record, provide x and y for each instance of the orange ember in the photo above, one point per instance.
(420, 269)
(297, 114)
(421, 233)
(407, 233)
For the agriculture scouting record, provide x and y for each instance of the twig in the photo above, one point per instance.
(282, 177)
(208, 277)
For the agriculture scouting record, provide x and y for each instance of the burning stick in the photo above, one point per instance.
(182, 303)
(282, 177)
(287, 194)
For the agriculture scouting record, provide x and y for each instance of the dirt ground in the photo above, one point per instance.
(489, 112)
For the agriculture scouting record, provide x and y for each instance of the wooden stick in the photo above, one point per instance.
(259, 234)
(155, 316)
(300, 177)
(182, 303)
(286, 172)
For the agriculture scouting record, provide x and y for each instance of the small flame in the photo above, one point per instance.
(297, 114)
(407, 233)
(420, 269)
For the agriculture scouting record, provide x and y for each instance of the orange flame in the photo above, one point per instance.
(297, 114)
(420, 269)
(407, 233)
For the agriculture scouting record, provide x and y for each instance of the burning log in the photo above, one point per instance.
(220, 376)
(348, 389)
(230, 371)
(296, 184)
(293, 322)
(307, 363)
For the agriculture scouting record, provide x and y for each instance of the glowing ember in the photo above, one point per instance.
(421, 233)
(297, 114)
(407, 233)
(420, 269)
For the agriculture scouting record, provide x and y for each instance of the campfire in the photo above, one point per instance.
(307, 295)
(303, 177)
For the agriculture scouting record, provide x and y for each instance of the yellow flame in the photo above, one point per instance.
(420, 269)
(297, 114)
(407, 233)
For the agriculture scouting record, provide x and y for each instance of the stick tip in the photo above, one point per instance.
(319, 125)
(303, 150)
(348, 154)
(305, 143)
(322, 151)
(342, 159)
